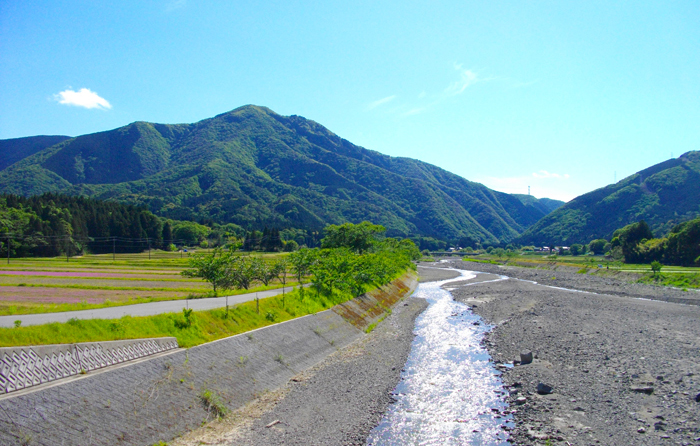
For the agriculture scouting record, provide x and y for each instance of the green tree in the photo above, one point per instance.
(577, 249)
(630, 237)
(213, 267)
(655, 267)
(683, 246)
(597, 246)
(280, 268)
(300, 263)
(357, 237)
(243, 272)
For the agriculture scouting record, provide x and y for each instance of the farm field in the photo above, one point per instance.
(42, 285)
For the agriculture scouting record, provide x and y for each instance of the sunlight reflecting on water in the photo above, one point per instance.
(450, 392)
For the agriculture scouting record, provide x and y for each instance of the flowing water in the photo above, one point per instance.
(450, 391)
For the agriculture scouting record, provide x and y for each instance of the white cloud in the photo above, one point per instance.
(82, 98)
(545, 174)
(379, 102)
(466, 78)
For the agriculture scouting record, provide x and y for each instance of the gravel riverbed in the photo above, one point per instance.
(623, 370)
(338, 401)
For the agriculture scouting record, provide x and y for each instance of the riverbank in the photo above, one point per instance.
(596, 280)
(622, 370)
(338, 401)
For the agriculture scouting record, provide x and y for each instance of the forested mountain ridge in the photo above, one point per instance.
(544, 205)
(663, 195)
(16, 149)
(256, 168)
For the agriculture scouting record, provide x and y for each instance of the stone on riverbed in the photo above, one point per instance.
(525, 358)
(544, 389)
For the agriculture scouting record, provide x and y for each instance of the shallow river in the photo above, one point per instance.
(450, 391)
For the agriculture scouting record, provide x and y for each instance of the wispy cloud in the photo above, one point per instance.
(466, 78)
(82, 98)
(545, 174)
(379, 102)
(176, 4)
(413, 111)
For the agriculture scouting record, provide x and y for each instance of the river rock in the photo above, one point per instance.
(544, 389)
(525, 358)
(642, 389)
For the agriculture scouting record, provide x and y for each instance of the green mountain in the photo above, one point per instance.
(13, 150)
(256, 168)
(663, 195)
(543, 205)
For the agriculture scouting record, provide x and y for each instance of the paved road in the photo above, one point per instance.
(148, 309)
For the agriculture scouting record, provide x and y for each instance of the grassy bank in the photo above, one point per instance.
(195, 329)
(677, 280)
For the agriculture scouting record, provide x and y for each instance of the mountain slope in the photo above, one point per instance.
(663, 195)
(16, 149)
(254, 167)
(544, 205)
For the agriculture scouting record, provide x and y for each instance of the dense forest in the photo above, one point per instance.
(55, 224)
(255, 168)
(636, 243)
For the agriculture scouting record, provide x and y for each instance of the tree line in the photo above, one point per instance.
(351, 259)
(54, 224)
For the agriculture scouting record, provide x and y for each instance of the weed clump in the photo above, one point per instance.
(213, 403)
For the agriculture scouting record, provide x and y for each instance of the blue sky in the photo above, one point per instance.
(555, 95)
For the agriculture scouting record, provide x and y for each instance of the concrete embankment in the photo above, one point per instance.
(161, 398)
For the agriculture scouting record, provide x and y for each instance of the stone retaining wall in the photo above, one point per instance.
(161, 398)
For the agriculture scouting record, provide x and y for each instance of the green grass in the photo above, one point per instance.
(160, 264)
(16, 308)
(205, 326)
(678, 280)
(136, 262)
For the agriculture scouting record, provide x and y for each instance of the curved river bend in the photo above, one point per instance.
(450, 391)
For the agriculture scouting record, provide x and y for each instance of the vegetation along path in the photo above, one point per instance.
(146, 309)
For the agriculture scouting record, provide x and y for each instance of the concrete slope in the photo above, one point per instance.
(161, 398)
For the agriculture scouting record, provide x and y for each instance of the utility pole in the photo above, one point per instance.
(149, 247)
(8, 249)
(114, 248)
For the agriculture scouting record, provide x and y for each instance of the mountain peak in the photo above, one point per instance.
(256, 168)
(663, 195)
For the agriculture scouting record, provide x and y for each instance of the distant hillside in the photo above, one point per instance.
(13, 150)
(663, 195)
(256, 168)
(544, 205)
